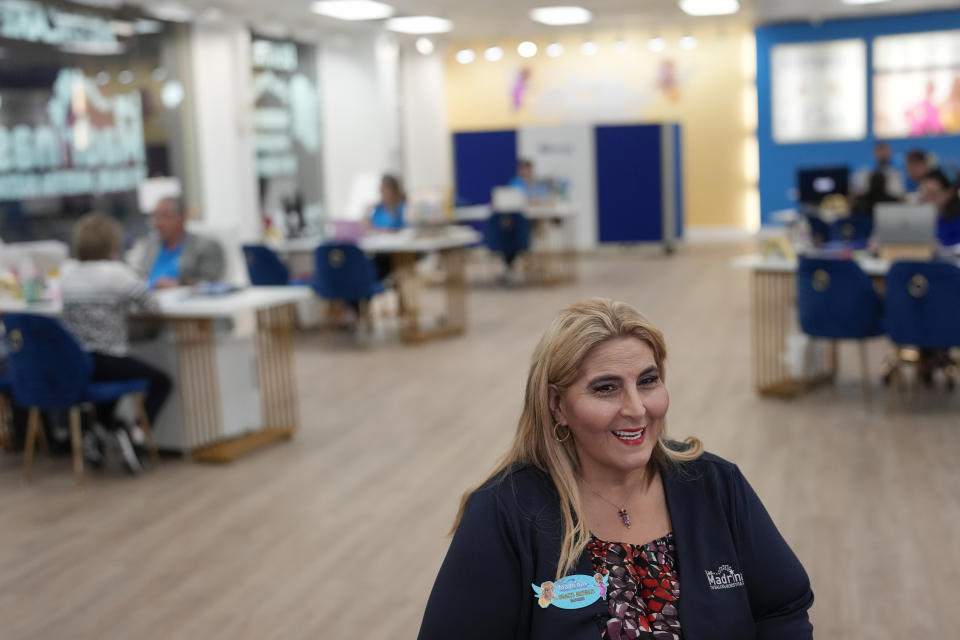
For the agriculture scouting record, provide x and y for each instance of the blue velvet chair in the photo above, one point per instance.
(508, 234)
(342, 272)
(819, 230)
(49, 370)
(836, 300)
(923, 310)
(854, 231)
(264, 266)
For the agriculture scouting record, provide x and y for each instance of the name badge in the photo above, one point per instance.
(572, 592)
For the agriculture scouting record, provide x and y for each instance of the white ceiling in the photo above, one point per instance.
(497, 18)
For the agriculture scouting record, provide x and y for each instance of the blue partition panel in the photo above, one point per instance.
(483, 160)
(629, 184)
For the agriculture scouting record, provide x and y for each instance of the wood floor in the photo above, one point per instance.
(339, 533)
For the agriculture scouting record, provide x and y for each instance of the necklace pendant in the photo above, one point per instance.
(626, 518)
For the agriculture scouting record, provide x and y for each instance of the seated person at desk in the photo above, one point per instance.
(175, 257)
(876, 193)
(98, 292)
(940, 192)
(918, 164)
(526, 181)
(882, 156)
(388, 214)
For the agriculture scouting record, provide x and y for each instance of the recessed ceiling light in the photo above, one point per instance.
(555, 50)
(172, 94)
(352, 9)
(560, 16)
(145, 26)
(688, 43)
(94, 48)
(657, 44)
(709, 7)
(125, 76)
(493, 54)
(589, 48)
(419, 24)
(102, 78)
(425, 46)
(170, 11)
(527, 49)
(466, 56)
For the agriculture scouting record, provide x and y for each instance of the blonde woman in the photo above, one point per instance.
(593, 485)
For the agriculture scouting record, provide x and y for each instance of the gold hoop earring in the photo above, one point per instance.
(557, 435)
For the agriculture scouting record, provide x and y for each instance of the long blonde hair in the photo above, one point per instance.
(574, 332)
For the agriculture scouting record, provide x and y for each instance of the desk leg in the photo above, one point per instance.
(409, 289)
(200, 398)
(773, 298)
(280, 413)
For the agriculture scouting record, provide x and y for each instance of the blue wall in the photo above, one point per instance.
(779, 162)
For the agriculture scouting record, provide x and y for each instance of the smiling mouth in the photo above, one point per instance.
(631, 436)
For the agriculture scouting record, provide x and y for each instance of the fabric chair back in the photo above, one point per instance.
(343, 272)
(923, 304)
(48, 367)
(836, 299)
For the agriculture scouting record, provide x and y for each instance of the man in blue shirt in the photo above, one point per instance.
(174, 257)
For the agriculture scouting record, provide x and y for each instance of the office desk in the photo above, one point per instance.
(773, 310)
(548, 262)
(231, 394)
(404, 248)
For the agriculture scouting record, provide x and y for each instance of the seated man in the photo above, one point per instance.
(174, 257)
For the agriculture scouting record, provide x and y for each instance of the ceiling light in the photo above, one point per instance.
(159, 74)
(419, 24)
(145, 26)
(555, 50)
(560, 16)
(657, 44)
(493, 54)
(425, 46)
(122, 28)
(171, 12)
(172, 94)
(709, 7)
(527, 49)
(466, 56)
(93, 48)
(688, 43)
(352, 9)
(102, 78)
(125, 76)
(589, 48)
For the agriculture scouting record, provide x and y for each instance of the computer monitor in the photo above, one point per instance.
(904, 224)
(817, 183)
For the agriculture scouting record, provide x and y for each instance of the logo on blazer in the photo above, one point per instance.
(724, 578)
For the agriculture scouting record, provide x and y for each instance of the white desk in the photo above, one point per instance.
(231, 394)
(404, 248)
(534, 211)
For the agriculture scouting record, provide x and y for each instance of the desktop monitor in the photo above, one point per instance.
(817, 183)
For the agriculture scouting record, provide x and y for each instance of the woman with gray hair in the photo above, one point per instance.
(98, 292)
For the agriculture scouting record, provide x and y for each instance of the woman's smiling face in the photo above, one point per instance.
(616, 406)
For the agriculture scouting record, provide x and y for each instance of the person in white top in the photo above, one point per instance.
(98, 292)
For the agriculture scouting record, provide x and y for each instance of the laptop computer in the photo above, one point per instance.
(905, 224)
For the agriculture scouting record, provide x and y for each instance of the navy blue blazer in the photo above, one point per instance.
(510, 534)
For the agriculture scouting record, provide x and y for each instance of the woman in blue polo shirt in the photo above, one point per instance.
(388, 214)
(596, 525)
